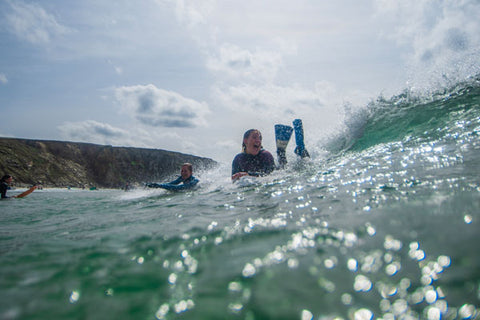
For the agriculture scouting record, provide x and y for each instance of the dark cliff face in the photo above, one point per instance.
(61, 164)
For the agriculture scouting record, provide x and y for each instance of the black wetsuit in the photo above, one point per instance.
(259, 165)
(3, 189)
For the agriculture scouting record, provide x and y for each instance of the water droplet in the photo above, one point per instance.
(249, 270)
(235, 286)
(292, 263)
(329, 263)
(74, 296)
(352, 265)
(392, 244)
(235, 307)
(307, 315)
(172, 278)
(430, 296)
(434, 314)
(347, 299)
(444, 261)
(362, 283)
(392, 268)
(363, 314)
(162, 311)
(468, 219)
(467, 311)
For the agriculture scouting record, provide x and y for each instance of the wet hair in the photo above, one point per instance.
(189, 166)
(246, 135)
(5, 178)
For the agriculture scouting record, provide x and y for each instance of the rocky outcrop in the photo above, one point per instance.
(63, 164)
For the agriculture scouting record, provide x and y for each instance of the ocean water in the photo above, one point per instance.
(383, 225)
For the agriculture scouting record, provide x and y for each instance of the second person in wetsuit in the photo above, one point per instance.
(185, 181)
(253, 160)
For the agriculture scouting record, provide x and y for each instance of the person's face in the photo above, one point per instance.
(185, 173)
(9, 180)
(253, 143)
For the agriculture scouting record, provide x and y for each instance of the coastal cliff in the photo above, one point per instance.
(72, 164)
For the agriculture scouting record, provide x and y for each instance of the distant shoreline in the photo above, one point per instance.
(63, 164)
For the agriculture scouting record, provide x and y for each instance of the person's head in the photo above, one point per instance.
(186, 170)
(7, 178)
(252, 142)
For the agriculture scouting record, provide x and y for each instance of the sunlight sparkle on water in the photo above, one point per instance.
(392, 244)
(235, 286)
(249, 270)
(392, 268)
(468, 311)
(74, 296)
(352, 265)
(363, 314)
(184, 305)
(434, 313)
(347, 299)
(362, 284)
(431, 296)
(307, 315)
(172, 278)
(235, 307)
(162, 311)
(468, 219)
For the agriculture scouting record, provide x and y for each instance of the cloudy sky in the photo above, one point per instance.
(193, 75)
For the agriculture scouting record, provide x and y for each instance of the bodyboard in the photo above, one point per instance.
(26, 193)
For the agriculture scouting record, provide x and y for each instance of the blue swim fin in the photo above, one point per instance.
(282, 137)
(300, 149)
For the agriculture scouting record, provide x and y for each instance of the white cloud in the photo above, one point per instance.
(103, 133)
(92, 131)
(160, 108)
(236, 63)
(3, 78)
(30, 22)
(193, 13)
(273, 99)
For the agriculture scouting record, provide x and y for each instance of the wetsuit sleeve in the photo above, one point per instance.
(162, 185)
(192, 182)
(236, 165)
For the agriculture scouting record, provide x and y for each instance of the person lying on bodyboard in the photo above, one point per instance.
(5, 185)
(185, 181)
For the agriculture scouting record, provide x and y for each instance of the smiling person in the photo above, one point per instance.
(184, 182)
(253, 160)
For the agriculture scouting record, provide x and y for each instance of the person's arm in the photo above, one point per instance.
(237, 172)
(188, 184)
(162, 185)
